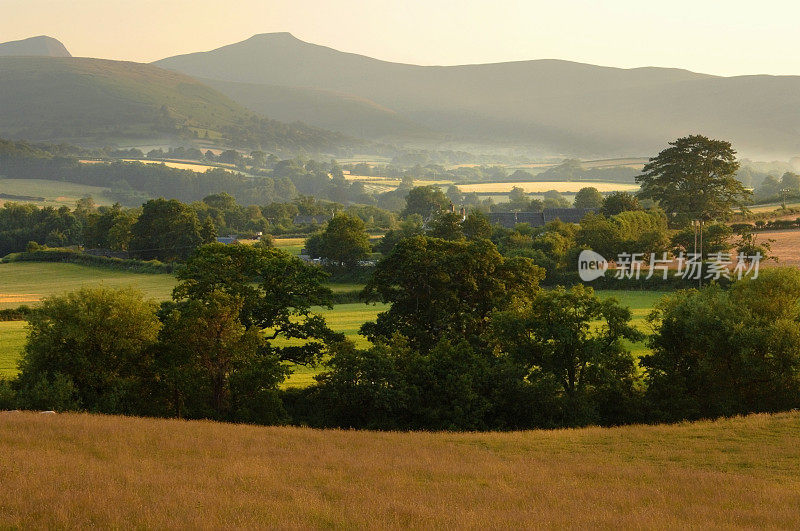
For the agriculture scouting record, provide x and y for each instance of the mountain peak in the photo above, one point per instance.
(41, 45)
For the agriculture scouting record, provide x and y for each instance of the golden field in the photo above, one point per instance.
(79, 470)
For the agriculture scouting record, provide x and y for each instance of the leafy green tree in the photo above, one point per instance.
(558, 337)
(343, 243)
(554, 199)
(166, 230)
(442, 289)
(207, 358)
(446, 226)
(476, 226)
(619, 202)
(715, 236)
(694, 179)
(96, 340)
(411, 226)
(588, 197)
(425, 201)
(725, 352)
(277, 292)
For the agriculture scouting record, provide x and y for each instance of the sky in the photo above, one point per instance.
(712, 36)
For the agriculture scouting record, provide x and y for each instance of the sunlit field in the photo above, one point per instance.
(12, 338)
(544, 186)
(79, 470)
(29, 282)
(54, 193)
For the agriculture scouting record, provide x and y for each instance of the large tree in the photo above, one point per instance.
(426, 201)
(343, 242)
(446, 289)
(97, 340)
(166, 230)
(277, 292)
(694, 179)
(576, 339)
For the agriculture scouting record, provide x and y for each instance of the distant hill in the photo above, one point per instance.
(35, 46)
(560, 106)
(337, 111)
(97, 100)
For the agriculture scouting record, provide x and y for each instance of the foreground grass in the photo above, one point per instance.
(76, 470)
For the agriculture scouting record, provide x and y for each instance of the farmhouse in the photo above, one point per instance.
(538, 219)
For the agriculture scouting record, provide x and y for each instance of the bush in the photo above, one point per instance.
(8, 396)
(54, 392)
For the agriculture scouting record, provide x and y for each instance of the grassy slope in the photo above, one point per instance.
(98, 471)
(55, 193)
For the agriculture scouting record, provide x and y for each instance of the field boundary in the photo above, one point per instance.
(80, 258)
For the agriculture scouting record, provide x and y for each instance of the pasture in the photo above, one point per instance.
(29, 282)
(81, 470)
(55, 193)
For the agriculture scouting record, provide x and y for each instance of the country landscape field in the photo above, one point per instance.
(428, 265)
(98, 471)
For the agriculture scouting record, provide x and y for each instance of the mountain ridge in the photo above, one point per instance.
(41, 45)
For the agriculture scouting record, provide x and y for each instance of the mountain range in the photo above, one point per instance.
(545, 107)
(550, 105)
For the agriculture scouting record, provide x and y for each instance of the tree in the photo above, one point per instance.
(411, 226)
(694, 179)
(277, 292)
(343, 243)
(442, 289)
(558, 337)
(96, 339)
(619, 202)
(446, 226)
(588, 197)
(554, 199)
(425, 201)
(166, 230)
(725, 352)
(476, 226)
(205, 357)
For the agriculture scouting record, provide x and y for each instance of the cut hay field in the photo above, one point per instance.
(80, 470)
(786, 246)
(544, 186)
(55, 193)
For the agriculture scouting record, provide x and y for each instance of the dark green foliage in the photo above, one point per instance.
(588, 197)
(557, 338)
(166, 230)
(618, 202)
(718, 352)
(445, 289)
(426, 201)
(277, 292)
(94, 341)
(694, 179)
(342, 244)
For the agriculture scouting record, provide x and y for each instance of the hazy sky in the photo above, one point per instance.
(713, 36)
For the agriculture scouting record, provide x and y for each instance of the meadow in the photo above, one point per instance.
(29, 282)
(55, 193)
(80, 470)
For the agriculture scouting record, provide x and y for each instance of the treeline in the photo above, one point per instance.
(470, 341)
(169, 230)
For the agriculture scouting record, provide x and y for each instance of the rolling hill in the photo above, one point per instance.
(561, 106)
(100, 101)
(35, 46)
(80, 470)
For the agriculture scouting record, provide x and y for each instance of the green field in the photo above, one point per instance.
(29, 282)
(55, 193)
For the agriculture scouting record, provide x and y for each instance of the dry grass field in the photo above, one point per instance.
(79, 470)
(786, 246)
